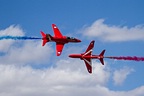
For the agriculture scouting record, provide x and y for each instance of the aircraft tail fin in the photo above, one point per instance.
(44, 38)
(43, 34)
(101, 56)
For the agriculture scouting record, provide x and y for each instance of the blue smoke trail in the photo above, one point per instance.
(18, 37)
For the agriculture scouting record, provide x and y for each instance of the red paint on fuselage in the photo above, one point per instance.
(63, 39)
(90, 56)
(86, 57)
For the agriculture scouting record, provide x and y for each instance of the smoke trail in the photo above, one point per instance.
(18, 37)
(135, 58)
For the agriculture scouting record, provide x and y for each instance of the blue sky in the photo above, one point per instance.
(115, 25)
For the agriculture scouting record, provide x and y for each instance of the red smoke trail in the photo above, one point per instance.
(135, 58)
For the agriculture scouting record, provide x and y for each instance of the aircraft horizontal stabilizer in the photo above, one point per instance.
(44, 38)
(101, 56)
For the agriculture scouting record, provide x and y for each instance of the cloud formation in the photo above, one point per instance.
(12, 31)
(26, 81)
(113, 33)
(120, 75)
(22, 52)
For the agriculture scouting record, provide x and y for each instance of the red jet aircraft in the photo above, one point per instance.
(58, 38)
(87, 56)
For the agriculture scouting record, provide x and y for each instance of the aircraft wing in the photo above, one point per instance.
(59, 48)
(89, 49)
(88, 64)
(57, 33)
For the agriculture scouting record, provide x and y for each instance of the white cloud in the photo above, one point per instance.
(30, 52)
(112, 33)
(12, 31)
(120, 75)
(26, 81)
(100, 74)
(22, 52)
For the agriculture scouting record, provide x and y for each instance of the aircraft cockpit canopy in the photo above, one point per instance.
(71, 38)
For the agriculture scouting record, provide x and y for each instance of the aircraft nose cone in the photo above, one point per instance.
(70, 55)
(78, 40)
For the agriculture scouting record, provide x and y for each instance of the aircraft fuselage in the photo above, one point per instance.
(86, 57)
(63, 39)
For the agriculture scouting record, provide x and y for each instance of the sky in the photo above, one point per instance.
(29, 69)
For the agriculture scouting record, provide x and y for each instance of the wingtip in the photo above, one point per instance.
(58, 53)
(53, 25)
(93, 41)
(90, 72)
